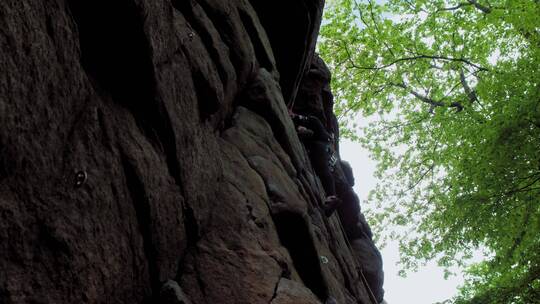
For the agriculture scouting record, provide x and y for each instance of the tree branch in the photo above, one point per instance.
(378, 30)
(470, 93)
(349, 57)
(430, 169)
(433, 103)
(453, 8)
(483, 8)
(432, 57)
(524, 188)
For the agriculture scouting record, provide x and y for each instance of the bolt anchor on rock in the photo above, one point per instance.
(80, 178)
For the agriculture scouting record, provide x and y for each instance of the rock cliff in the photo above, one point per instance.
(147, 156)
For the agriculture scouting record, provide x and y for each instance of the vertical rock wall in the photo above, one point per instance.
(147, 156)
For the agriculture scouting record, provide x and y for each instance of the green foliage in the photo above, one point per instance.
(455, 85)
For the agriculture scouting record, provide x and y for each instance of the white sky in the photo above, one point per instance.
(428, 285)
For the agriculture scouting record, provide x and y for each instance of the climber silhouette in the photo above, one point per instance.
(318, 143)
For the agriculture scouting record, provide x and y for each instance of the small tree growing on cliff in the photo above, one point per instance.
(456, 86)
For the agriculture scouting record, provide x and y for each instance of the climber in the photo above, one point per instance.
(318, 143)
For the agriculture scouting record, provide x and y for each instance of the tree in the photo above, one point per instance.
(456, 86)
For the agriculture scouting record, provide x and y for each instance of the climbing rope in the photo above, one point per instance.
(373, 298)
(363, 277)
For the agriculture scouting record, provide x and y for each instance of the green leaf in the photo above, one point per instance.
(456, 86)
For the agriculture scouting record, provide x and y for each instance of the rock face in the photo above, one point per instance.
(147, 156)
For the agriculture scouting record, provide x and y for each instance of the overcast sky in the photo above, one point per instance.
(427, 286)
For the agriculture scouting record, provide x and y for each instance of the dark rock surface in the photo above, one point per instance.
(147, 155)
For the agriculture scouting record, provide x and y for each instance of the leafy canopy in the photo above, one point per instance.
(455, 85)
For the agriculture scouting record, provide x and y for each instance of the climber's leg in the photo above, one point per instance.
(320, 162)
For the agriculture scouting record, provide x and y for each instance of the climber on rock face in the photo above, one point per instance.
(318, 143)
